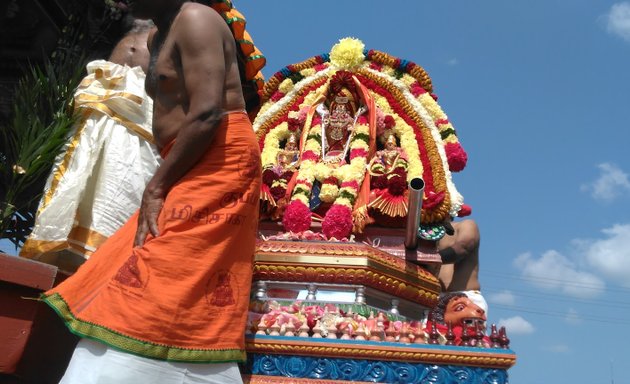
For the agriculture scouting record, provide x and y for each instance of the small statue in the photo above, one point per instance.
(386, 160)
(288, 156)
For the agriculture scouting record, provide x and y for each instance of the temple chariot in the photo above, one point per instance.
(357, 159)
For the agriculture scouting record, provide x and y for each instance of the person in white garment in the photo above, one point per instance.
(97, 181)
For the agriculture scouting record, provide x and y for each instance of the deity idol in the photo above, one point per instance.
(289, 155)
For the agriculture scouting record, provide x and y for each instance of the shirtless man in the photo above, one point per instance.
(170, 289)
(460, 261)
(132, 49)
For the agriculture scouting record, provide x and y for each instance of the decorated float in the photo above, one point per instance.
(357, 189)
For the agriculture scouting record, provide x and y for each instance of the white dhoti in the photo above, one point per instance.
(98, 180)
(97, 363)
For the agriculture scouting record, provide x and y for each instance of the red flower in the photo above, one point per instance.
(416, 89)
(465, 210)
(400, 171)
(340, 80)
(358, 152)
(293, 124)
(277, 96)
(396, 185)
(389, 122)
(456, 156)
(330, 180)
(319, 67)
(269, 176)
(362, 119)
(376, 66)
(337, 222)
(278, 192)
(378, 182)
(286, 175)
(297, 217)
(441, 122)
(351, 184)
(432, 200)
(309, 155)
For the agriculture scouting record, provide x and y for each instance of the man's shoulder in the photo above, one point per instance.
(197, 18)
(194, 11)
(467, 225)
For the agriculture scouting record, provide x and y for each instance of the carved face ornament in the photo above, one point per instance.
(461, 310)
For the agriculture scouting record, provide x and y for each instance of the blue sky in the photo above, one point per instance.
(539, 92)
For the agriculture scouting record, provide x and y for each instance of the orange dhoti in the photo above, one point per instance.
(184, 295)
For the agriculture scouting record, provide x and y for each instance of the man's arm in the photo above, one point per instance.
(199, 42)
(464, 242)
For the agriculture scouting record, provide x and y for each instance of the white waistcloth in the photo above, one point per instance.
(97, 363)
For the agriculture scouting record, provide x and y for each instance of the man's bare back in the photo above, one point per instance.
(460, 255)
(175, 53)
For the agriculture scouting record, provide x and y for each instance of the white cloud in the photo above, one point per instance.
(610, 256)
(516, 326)
(557, 348)
(612, 183)
(618, 20)
(452, 62)
(553, 271)
(503, 297)
(573, 317)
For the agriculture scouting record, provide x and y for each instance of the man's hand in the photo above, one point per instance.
(150, 209)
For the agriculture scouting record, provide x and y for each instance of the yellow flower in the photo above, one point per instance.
(286, 86)
(343, 201)
(322, 171)
(348, 53)
(362, 129)
(407, 79)
(388, 70)
(329, 192)
(310, 98)
(279, 183)
(431, 106)
(272, 143)
(307, 72)
(301, 198)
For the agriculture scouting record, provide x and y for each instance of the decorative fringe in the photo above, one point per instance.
(265, 195)
(393, 206)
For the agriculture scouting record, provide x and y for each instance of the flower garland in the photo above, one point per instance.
(413, 113)
(302, 93)
(297, 217)
(402, 91)
(338, 221)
